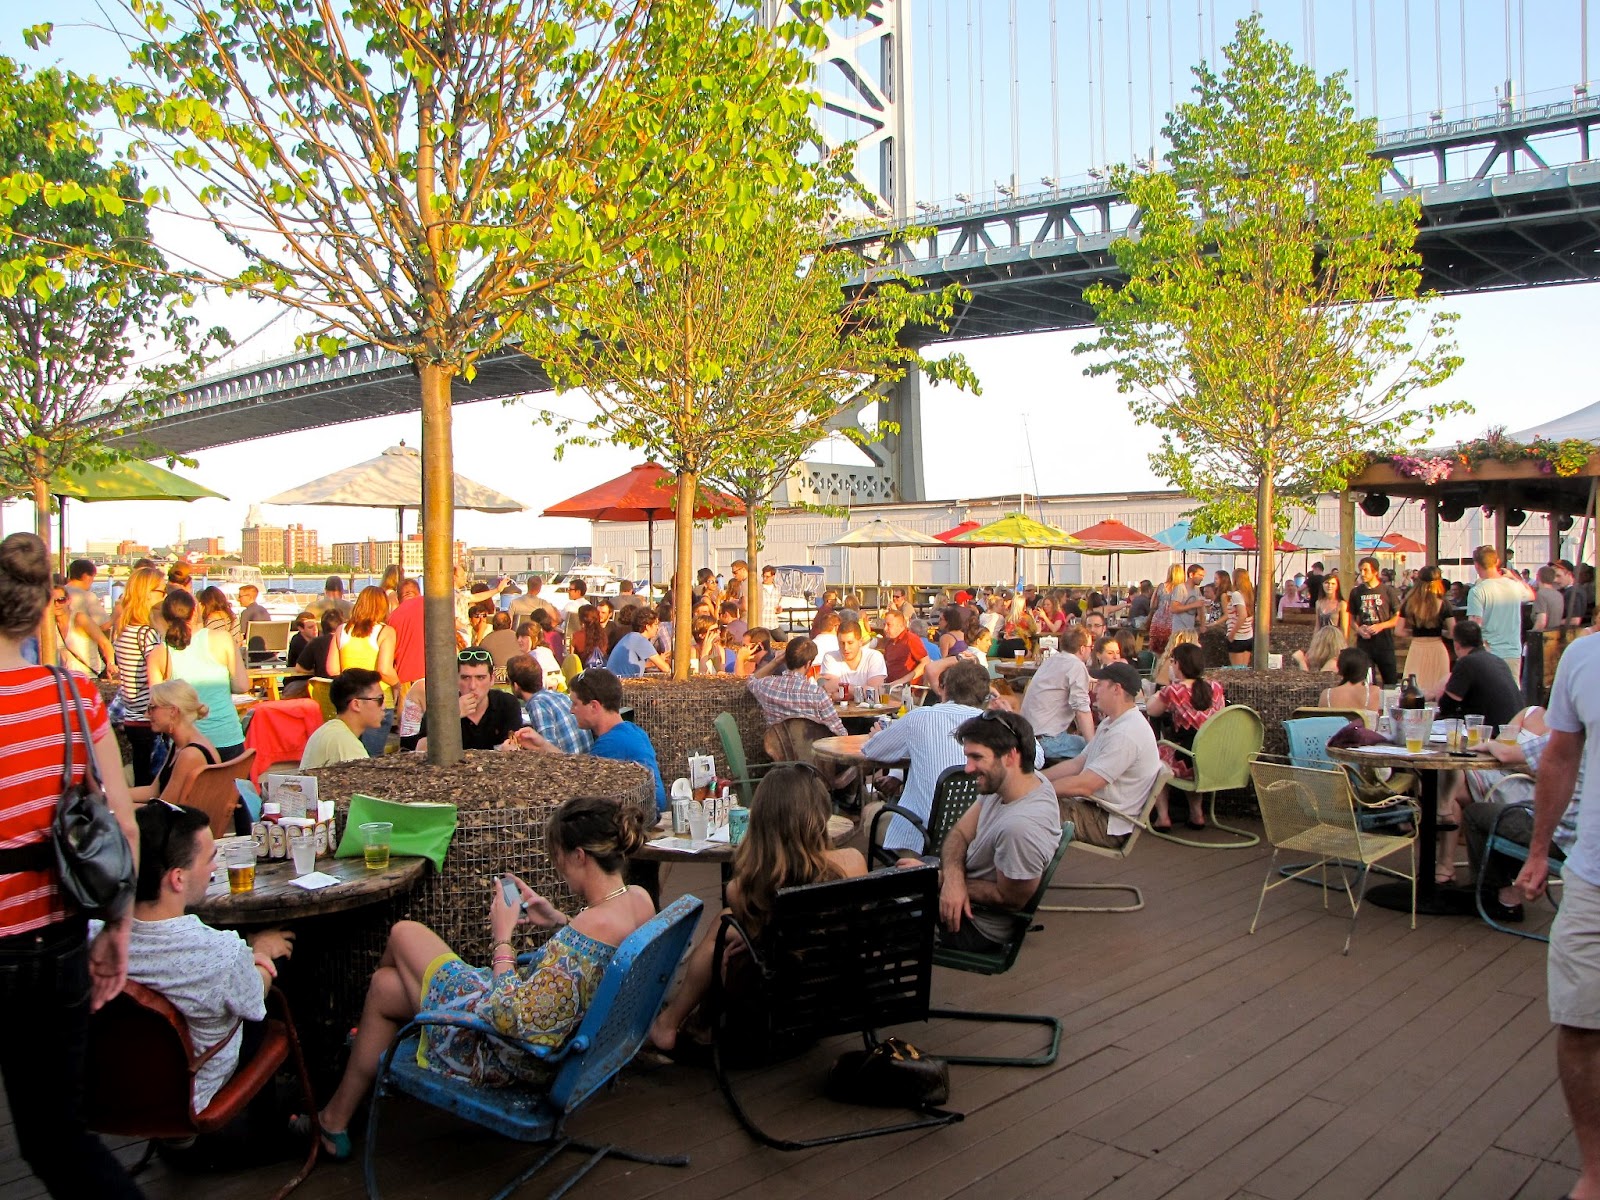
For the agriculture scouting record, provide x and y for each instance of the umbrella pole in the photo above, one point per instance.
(650, 552)
(877, 591)
(61, 534)
(400, 532)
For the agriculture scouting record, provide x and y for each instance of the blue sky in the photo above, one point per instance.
(1525, 360)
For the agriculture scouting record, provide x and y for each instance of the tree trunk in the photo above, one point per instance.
(683, 647)
(752, 537)
(1266, 570)
(48, 651)
(438, 567)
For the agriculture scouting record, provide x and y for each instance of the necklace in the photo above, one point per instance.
(603, 899)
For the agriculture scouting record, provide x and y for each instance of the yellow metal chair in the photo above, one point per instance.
(1308, 810)
(1140, 824)
(1223, 748)
(320, 690)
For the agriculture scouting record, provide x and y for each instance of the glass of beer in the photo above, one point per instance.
(1475, 731)
(241, 869)
(1415, 723)
(375, 838)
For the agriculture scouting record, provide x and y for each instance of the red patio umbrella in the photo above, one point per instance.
(644, 493)
(949, 536)
(1399, 543)
(1245, 538)
(1111, 537)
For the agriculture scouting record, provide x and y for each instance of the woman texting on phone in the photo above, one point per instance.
(588, 841)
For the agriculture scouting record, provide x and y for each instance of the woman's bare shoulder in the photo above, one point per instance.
(849, 860)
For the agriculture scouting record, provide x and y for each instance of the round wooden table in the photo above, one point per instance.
(866, 712)
(1432, 899)
(276, 899)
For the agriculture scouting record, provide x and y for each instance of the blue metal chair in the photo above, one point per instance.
(629, 996)
(1379, 805)
(1503, 845)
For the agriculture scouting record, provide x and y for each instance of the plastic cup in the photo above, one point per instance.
(241, 861)
(698, 823)
(1415, 724)
(304, 852)
(375, 838)
(1477, 732)
(738, 824)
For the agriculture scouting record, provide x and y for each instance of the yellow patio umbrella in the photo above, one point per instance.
(1020, 531)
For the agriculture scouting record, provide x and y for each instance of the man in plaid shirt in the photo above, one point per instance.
(791, 693)
(550, 713)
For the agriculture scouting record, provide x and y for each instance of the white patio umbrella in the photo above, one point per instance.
(881, 534)
(392, 480)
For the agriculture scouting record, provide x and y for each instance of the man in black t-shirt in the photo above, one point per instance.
(488, 717)
(1314, 579)
(1374, 612)
(1479, 683)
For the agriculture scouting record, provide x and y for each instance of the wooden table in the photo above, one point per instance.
(276, 900)
(644, 865)
(866, 712)
(271, 679)
(1432, 899)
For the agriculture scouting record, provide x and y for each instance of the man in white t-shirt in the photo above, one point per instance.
(853, 663)
(1495, 602)
(217, 979)
(1103, 790)
(1573, 966)
(1001, 848)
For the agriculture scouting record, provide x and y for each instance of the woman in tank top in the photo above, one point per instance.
(211, 662)
(134, 638)
(366, 642)
(175, 711)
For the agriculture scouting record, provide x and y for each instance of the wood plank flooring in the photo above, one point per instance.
(1199, 1063)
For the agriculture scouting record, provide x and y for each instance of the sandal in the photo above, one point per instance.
(335, 1146)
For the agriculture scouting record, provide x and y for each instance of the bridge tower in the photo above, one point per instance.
(864, 80)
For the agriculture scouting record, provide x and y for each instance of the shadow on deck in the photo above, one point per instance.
(1198, 1061)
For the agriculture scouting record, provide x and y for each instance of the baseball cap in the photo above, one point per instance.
(963, 597)
(1121, 674)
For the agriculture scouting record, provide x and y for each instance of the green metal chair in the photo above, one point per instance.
(744, 776)
(955, 792)
(998, 962)
(1223, 748)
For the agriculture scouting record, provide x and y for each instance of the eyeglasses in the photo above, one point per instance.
(474, 655)
(58, 599)
(378, 698)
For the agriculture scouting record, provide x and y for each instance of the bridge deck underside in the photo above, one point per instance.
(1479, 235)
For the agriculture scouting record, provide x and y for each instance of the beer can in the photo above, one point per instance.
(680, 816)
(277, 841)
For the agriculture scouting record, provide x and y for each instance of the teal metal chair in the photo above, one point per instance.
(1498, 844)
(955, 792)
(1223, 748)
(630, 994)
(744, 776)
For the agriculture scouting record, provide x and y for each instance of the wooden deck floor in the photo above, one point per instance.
(1199, 1061)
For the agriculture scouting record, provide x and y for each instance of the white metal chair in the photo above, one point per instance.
(1306, 810)
(1140, 824)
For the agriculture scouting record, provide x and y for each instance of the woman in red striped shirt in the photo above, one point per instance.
(51, 976)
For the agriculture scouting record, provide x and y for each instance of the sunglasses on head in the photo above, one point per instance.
(473, 655)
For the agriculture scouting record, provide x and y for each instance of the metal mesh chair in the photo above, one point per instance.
(1307, 810)
(1382, 802)
(1223, 748)
(1139, 826)
(629, 996)
(954, 792)
(847, 956)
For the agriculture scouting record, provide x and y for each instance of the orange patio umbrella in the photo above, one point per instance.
(949, 535)
(1399, 543)
(1244, 537)
(646, 492)
(1111, 537)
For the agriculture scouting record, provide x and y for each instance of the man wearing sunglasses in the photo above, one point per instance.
(488, 717)
(357, 698)
(998, 852)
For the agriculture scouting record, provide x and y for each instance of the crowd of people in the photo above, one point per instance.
(1117, 700)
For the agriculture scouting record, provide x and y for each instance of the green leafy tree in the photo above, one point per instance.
(733, 349)
(94, 328)
(419, 176)
(1271, 326)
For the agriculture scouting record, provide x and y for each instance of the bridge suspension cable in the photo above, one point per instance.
(1088, 59)
(1055, 98)
(1016, 107)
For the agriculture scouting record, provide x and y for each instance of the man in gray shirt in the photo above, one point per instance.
(1104, 789)
(998, 852)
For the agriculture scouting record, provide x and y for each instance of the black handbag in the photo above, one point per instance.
(893, 1074)
(86, 845)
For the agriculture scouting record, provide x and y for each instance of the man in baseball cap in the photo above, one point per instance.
(1104, 788)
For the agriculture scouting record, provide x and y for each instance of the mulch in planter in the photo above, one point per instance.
(502, 802)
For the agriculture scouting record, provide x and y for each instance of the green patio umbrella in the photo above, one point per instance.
(1021, 532)
(130, 479)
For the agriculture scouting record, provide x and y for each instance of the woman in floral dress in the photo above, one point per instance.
(588, 841)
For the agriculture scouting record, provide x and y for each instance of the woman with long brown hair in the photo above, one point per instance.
(366, 641)
(1424, 616)
(589, 641)
(1187, 703)
(786, 845)
(1239, 609)
(209, 660)
(1330, 607)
